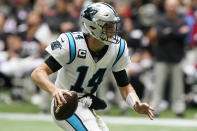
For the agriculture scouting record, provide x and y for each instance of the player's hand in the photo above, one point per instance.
(144, 108)
(58, 96)
(184, 29)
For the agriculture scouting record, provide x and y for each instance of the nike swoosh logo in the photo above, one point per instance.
(62, 40)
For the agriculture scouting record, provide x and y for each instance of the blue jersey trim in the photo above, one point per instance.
(76, 123)
(72, 46)
(121, 50)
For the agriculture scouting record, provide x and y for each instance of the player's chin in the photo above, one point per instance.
(110, 36)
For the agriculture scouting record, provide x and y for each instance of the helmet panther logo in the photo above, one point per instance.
(89, 13)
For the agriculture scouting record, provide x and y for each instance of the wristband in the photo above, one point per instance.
(131, 99)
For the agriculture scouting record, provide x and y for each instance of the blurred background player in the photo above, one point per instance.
(171, 31)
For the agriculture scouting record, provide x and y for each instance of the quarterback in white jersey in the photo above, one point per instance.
(82, 60)
(84, 73)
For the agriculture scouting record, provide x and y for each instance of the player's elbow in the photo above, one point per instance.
(41, 71)
(35, 74)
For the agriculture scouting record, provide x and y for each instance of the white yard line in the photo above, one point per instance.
(147, 121)
(24, 116)
(109, 120)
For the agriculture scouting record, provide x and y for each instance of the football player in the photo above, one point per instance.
(82, 60)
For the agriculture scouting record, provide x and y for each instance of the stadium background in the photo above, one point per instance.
(28, 26)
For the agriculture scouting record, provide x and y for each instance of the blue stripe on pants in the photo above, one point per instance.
(76, 123)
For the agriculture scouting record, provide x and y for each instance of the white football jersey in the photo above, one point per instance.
(79, 71)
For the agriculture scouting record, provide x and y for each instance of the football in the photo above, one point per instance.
(67, 110)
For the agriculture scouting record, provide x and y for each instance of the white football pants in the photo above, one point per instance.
(82, 120)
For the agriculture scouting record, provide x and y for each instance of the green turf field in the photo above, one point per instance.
(32, 125)
(29, 125)
(25, 107)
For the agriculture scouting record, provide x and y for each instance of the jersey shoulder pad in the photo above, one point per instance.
(72, 46)
(121, 49)
(78, 35)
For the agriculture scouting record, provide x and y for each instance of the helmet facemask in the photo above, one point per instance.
(109, 33)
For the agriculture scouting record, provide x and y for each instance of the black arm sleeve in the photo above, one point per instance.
(53, 64)
(121, 78)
